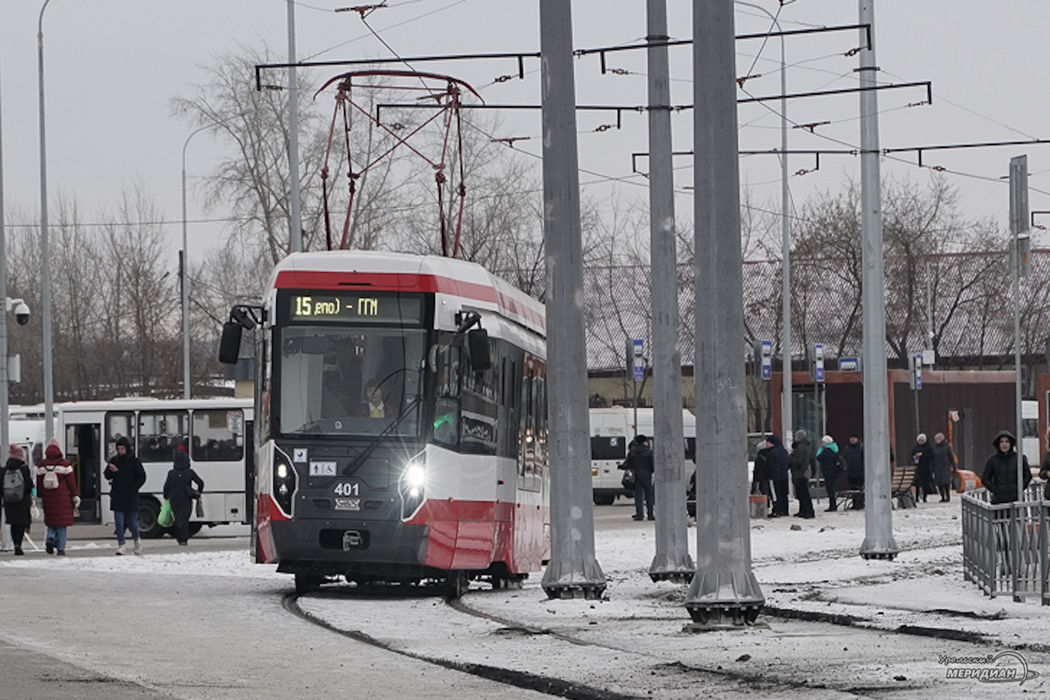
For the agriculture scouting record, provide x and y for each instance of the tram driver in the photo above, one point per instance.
(373, 406)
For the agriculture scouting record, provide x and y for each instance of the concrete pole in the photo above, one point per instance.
(295, 230)
(573, 571)
(45, 255)
(4, 386)
(724, 591)
(1018, 225)
(878, 505)
(672, 561)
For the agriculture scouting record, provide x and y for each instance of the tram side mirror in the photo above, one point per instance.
(230, 344)
(478, 343)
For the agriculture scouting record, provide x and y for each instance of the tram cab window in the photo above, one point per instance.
(218, 435)
(324, 372)
(160, 433)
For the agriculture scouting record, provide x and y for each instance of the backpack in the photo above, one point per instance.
(842, 465)
(14, 486)
(50, 478)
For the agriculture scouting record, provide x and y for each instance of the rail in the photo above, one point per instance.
(1005, 545)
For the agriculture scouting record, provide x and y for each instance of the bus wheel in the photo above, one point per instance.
(148, 512)
(195, 528)
(604, 500)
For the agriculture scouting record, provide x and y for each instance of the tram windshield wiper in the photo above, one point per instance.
(365, 453)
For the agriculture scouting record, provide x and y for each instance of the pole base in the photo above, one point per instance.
(577, 591)
(673, 576)
(887, 550)
(722, 617)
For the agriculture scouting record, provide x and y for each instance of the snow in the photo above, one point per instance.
(639, 630)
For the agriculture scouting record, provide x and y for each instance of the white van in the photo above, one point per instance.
(612, 430)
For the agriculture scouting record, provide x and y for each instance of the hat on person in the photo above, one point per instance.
(921, 437)
(640, 438)
(827, 439)
(16, 452)
(800, 434)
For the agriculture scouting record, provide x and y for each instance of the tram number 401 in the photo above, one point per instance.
(350, 492)
(350, 488)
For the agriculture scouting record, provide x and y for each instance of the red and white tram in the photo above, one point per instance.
(401, 421)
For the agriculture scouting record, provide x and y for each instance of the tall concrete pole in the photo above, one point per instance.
(878, 505)
(45, 255)
(4, 385)
(672, 561)
(295, 230)
(724, 591)
(573, 571)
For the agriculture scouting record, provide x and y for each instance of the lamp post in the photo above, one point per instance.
(45, 255)
(184, 272)
(785, 225)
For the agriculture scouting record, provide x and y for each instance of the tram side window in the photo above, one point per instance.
(160, 432)
(218, 435)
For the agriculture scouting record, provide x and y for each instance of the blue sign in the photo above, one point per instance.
(818, 362)
(638, 360)
(849, 364)
(766, 359)
(918, 371)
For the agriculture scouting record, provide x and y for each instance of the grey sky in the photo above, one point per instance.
(113, 65)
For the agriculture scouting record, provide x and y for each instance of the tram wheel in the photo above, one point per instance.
(304, 583)
(457, 583)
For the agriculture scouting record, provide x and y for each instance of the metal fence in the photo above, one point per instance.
(1005, 545)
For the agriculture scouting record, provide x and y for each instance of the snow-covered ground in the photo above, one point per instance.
(634, 642)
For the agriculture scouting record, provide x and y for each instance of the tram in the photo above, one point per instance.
(401, 432)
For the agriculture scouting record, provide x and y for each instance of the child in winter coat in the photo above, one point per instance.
(17, 495)
(57, 487)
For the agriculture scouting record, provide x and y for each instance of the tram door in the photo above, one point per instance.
(82, 451)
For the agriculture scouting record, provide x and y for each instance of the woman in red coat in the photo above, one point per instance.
(57, 487)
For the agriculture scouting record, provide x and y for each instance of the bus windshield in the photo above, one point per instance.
(349, 380)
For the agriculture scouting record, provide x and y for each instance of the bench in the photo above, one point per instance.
(901, 480)
(847, 498)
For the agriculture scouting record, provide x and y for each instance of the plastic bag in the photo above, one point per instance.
(200, 509)
(166, 518)
(35, 514)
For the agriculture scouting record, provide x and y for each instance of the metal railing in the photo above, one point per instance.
(1005, 545)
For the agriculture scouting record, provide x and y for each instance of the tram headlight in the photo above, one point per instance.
(283, 482)
(412, 486)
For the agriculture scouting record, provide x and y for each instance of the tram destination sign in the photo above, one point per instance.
(355, 307)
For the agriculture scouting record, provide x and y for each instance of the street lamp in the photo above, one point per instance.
(785, 224)
(45, 255)
(186, 385)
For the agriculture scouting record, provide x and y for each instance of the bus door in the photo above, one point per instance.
(82, 450)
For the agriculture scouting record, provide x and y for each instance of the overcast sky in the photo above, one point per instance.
(112, 67)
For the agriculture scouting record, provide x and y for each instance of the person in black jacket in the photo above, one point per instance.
(764, 470)
(803, 466)
(640, 460)
(126, 476)
(1000, 471)
(177, 489)
(922, 458)
(17, 512)
(781, 476)
(854, 455)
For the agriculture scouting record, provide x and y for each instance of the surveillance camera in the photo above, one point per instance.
(22, 314)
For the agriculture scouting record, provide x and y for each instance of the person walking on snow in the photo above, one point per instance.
(922, 458)
(944, 464)
(17, 495)
(126, 476)
(802, 463)
(57, 487)
(177, 490)
(781, 476)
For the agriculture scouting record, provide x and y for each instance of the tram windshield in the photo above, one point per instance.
(350, 380)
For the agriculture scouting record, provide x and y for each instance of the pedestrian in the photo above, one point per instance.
(854, 456)
(57, 487)
(640, 460)
(1044, 473)
(802, 465)
(126, 476)
(828, 459)
(17, 495)
(922, 458)
(781, 474)
(763, 471)
(1000, 471)
(178, 489)
(944, 465)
